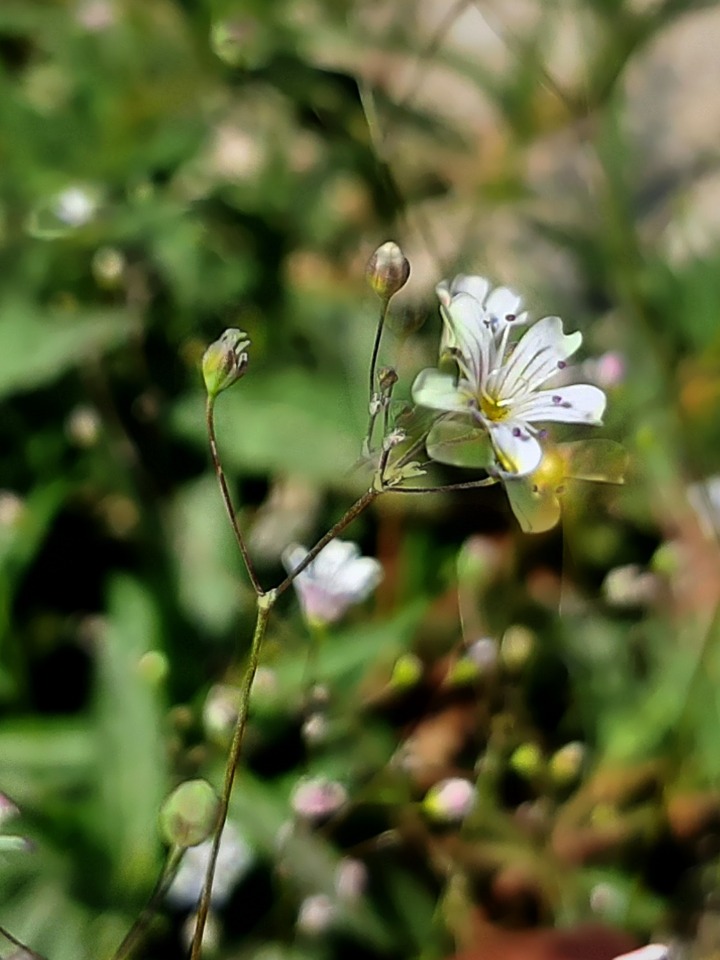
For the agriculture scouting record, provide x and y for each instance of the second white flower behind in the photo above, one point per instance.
(336, 579)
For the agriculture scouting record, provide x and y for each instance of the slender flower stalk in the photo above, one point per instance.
(265, 603)
(137, 931)
(227, 499)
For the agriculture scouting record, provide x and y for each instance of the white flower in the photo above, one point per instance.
(499, 387)
(501, 305)
(335, 580)
(653, 951)
(75, 206)
(234, 860)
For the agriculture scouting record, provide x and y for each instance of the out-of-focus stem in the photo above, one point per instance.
(137, 931)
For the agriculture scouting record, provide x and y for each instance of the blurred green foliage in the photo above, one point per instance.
(169, 169)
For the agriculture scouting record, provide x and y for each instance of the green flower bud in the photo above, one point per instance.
(527, 760)
(189, 815)
(516, 647)
(406, 672)
(388, 270)
(225, 361)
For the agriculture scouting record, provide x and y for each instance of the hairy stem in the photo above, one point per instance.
(376, 345)
(137, 931)
(264, 606)
(227, 499)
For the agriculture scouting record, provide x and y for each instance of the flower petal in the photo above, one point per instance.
(460, 444)
(332, 559)
(536, 510)
(473, 285)
(518, 452)
(536, 357)
(602, 461)
(293, 556)
(357, 580)
(469, 332)
(578, 403)
(501, 304)
(438, 391)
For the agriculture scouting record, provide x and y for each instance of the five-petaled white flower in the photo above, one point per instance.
(335, 580)
(499, 388)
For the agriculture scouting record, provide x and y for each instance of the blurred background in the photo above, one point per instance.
(169, 168)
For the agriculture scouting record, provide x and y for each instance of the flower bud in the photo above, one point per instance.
(225, 361)
(387, 378)
(516, 647)
(406, 671)
(316, 914)
(317, 799)
(449, 801)
(189, 815)
(566, 764)
(527, 760)
(351, 879)
(388, 270)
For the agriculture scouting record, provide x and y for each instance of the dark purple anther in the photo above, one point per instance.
(561, 364)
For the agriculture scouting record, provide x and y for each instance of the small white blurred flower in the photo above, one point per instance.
(315, 729)
(653, 951)
(83, 426)
(75, 206)
(450, 800)
(316, 914)
(95, 15)
(498, 395)
(11, 508)
(318, 798)
(631, 586)
(235, 858)
(608, 370)
(335, 580)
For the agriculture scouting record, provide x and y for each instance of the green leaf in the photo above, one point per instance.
(38, 346)
(133, 778)
(460, 444)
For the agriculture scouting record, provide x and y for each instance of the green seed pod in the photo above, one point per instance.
(225, 361)
(189, 815)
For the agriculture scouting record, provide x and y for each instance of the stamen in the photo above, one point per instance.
(557, 398)
(561, 364)
(510, 317)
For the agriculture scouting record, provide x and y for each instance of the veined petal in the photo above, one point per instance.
(536, 509)
(538, 354)
(578, 403)
(438, 391)
(518, 452)
(473, 338)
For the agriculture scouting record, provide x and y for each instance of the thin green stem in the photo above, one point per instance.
(137, 931)
(445, 488)
(376, 345)
(227, 499)
(264, 606)
(354, 511)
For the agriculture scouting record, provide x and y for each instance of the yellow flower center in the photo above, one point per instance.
(491, 409)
